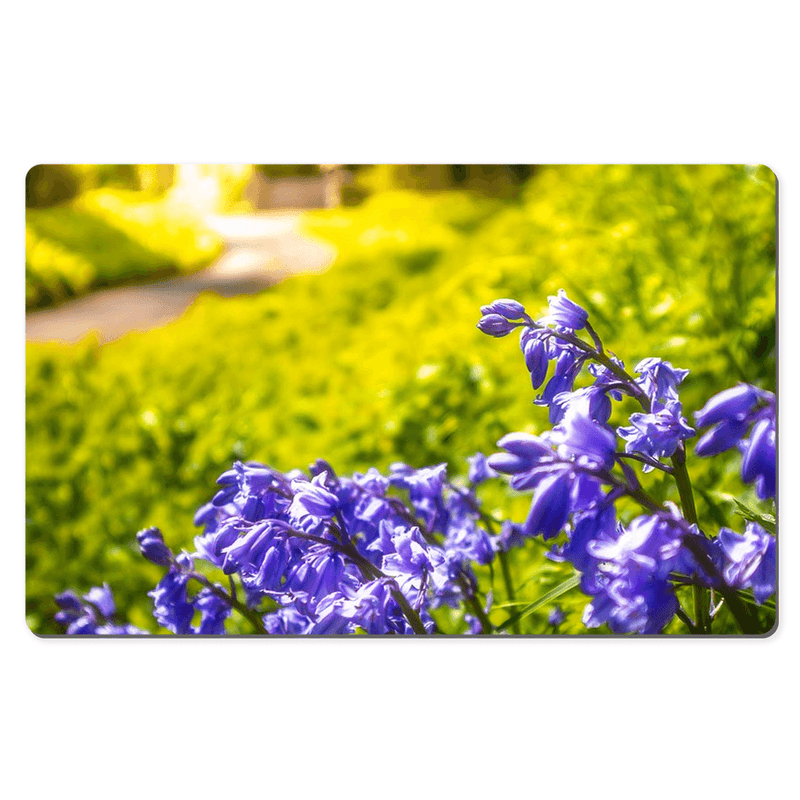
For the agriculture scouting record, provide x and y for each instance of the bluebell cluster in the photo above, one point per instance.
(630, 572)
(316, 553)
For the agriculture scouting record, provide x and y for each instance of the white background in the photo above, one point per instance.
(358, 82)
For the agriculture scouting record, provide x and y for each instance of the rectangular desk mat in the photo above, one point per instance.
(409, 400)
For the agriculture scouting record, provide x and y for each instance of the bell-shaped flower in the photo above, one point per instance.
(721, 437)
(550, 506)
(579, 437)
(537, 359)
(656, 434)
(565, 313)
(659, 379)
(729, 404)
(151, 544)
(102, 598)
(496, 325)
(312, 499)
(479, 469)
(510, 309)
(758, 462)
(749, 560)
(214, 610)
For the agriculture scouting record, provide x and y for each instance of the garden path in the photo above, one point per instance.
(261, 249)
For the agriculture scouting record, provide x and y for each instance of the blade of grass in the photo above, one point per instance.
(562, 588)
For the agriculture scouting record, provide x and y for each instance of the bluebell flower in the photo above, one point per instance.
(550, 506)
(495, 325)
(729, 404)
(287, 620)
(320, 572)
(425, 491)
(74, 614)
(102, 598)
(556, 616)
(656, 434)
(510, 309)
(368, 607)
(749, 560)
(469, 541)
(172, 608)
(511, 535)
(151, 544)
(721, 437)
(636, 603)
(479, 469)
(565, 313)
(213, 611)
(731, 413)
(212, 545)
(536, 353)
(659, 379)
(758, 462)
(579, 437)
(313, 499)
(592, 401)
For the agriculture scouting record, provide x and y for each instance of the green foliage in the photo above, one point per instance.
(379, 360)
(109, 236)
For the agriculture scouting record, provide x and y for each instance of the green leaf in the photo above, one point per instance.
(766, 521)
(562, 588)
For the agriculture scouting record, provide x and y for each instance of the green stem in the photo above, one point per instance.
(503, 556)
(486, 625)
(684, 483)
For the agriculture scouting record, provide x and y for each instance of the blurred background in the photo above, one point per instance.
(182, 317)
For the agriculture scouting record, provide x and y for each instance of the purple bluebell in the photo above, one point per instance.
(659, 379)
(730, 404)
(101, 598)
(510, 309)
(479, 469)
(511, 535)
(721, 437)
(758, 462)
(566, 313)
(172, 608)
(536, 353)
(656, 434)
(556, 616)
(749, 560)
(214, 610)
(312, 499)
(152, 547)
(495, 325)
(425, 491)
(593, 402)
(287, 620)
(550, 506)
(579, 437)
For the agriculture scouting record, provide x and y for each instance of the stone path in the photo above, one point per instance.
(261, 249)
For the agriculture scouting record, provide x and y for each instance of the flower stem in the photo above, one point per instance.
(503, 556)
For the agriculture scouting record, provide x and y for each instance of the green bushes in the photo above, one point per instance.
(379, 359)
(108, 236)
